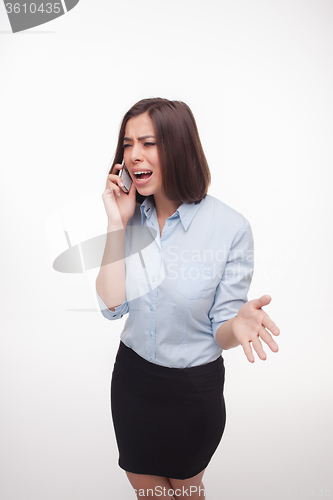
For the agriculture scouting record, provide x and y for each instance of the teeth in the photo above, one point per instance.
(143, 172)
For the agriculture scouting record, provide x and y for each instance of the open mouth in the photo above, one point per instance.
(143, 175)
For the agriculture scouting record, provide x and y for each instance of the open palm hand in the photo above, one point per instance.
(251, 325)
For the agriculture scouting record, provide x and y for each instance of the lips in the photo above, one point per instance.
(141, 182)
(139, 172)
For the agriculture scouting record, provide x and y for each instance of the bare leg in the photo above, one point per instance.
(146, 485)
(192, 488)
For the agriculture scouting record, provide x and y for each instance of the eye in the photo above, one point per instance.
(149, 143)
(125, 146)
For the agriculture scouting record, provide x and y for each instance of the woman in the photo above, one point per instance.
(185, 290)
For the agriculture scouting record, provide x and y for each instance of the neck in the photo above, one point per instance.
(164, 207)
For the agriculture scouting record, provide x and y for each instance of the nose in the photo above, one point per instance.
(136, 153)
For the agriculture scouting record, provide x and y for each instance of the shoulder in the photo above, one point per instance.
(222, 215)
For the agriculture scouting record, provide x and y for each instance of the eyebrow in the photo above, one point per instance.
(139, 138)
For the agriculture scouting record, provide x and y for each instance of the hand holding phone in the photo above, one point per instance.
(116, 205)
(126, 178)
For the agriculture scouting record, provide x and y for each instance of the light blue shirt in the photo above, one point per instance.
(186, 283)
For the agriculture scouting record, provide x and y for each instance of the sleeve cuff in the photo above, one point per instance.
(216, 326)
(117, 313)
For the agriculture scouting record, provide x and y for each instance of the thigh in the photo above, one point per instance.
(181, 485)
(146, 485)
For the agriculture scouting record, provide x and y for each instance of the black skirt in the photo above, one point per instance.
(168, 421)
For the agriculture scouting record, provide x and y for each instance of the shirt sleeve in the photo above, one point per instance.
(117, 313)
(231, 293)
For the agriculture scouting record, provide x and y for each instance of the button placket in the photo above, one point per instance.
(154, 265)
(152, 329)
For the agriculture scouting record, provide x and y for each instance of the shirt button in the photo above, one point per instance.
(151, 333)
(150, 358)
(169, 223)
(151, 308)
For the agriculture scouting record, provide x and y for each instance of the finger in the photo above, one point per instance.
(108, 196)
(114, 178)
(116, 166)
(109, 191)
(262, 301)
(248, 351)
(270, 325)
(115, 185)
(257, 346)
(266, 337)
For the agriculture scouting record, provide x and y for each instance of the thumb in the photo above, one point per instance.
(264, 300)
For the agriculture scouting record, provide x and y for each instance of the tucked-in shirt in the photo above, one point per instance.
(183, 285)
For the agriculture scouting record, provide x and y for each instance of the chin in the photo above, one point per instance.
(145, 192)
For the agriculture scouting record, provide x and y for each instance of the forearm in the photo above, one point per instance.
(110, 282)
(225, 337)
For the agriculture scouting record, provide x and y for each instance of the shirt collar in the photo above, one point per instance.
(186, 211)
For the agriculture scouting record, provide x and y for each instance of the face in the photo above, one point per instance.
(141, 154)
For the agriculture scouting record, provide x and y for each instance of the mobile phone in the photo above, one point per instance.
(126, 178)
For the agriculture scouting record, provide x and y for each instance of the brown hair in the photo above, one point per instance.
(185, 171)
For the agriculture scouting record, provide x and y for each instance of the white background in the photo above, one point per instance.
(258, 78)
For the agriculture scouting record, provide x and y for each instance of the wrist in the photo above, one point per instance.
(225, 335)
(232, 321)
(116, 225)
